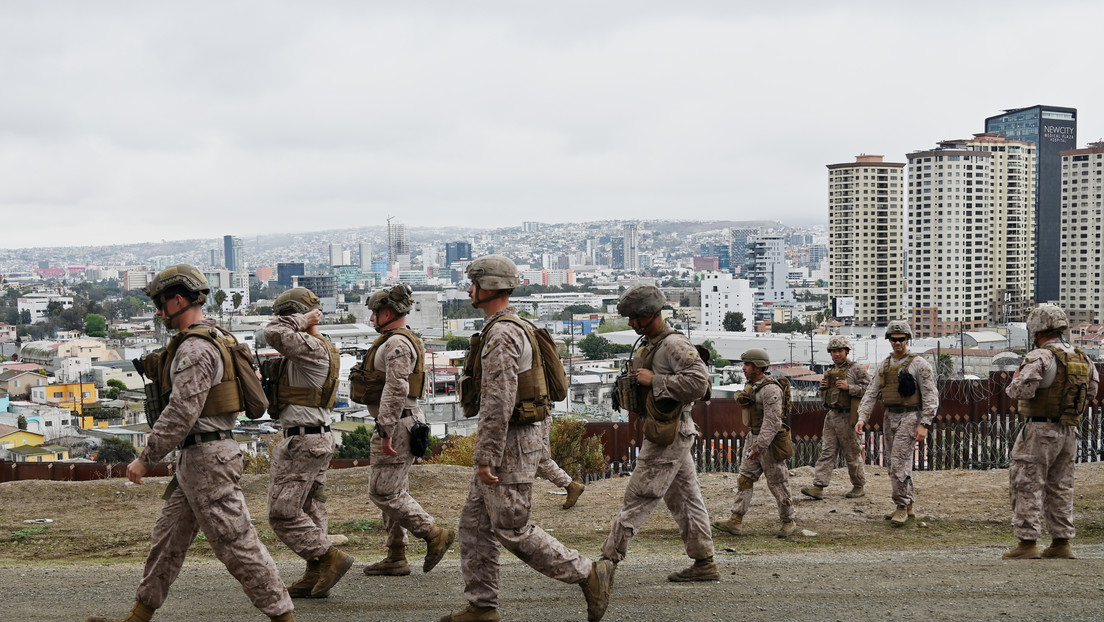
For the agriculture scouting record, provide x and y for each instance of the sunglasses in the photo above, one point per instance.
(160, 301)
(898, 339)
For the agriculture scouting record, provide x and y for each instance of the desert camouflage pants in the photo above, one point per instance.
(389, 487)
(500, 514)
(210, 498)
(838, 437)
(1040, 480)
(548, 469)
(666, 473)
(296, 504)
(778, 483)
(899, 440)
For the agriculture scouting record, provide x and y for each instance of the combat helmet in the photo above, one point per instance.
(493, 272)
(898, 327)
(184, 275)
(757, 357)
(1047, 317)
(641, 301)
(839, 342)
(296, 300)
(400, 298)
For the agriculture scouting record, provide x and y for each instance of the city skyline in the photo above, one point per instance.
(167, 121)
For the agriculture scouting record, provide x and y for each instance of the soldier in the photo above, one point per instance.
(393, 401)
(305, 390)
(906, 386)
(551, 471)
(841, 389)
(762, 400)
(1053, 386)
(667, 377)
(498, 387)
(205, 493)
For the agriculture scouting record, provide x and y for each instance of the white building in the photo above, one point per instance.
(36, 303)
(768, 273)
(722, 294)
(1082, 258)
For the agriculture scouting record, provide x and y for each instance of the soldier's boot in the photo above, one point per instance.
(471, 613)
(899, 517)
(1059, 549)
(700, 570)
(394, 565)
(1024, 549)
(597, 587)
(302, 588)
(814, 491)
(138, 613)
(437, 544)
(908, 512)
(574, 490)
(857, 491)
(283, 617)
(332, 566)
(734, 525)
(788, 529)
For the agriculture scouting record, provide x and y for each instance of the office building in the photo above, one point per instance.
(457, 251)
(738, 250)
(365, 259)
(1082, 257)
(631, 251)
(285, 272)
(337, 255)
(768, 273)
(396, 243)
(232, 253)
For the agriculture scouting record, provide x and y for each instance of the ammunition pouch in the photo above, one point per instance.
(661, 432)
(419, 440)
(150, 366)
(629, 393)
(782, 446)
(529, 412)
(366, 386)
(663, 409)
(469, 395)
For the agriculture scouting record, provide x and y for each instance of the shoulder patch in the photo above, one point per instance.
(488, 346)
(183, 362)
(691, 355)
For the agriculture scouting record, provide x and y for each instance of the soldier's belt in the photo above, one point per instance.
(307, 429)
(1040, 420)
(206, 437)
(902, 409)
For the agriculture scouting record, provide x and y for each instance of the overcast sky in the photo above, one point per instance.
(136, 121)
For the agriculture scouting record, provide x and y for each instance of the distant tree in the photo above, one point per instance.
(352, 297)
(615, 326)
(115, 386)
(571, 310)
(9, 315)
(54, 307)
(25, 316)
(131, 306)
(220, 297)
(356, 444)
(116, 450)
(734, 322)
(236, 300)
(714, 359)
(21, 422)
(95, 325)
(457, 343)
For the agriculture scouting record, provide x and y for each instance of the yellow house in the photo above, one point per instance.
(39, 453)
(73, 395)
(11, 438)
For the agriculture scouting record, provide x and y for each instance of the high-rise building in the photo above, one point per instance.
(866, 227)
(365, 260)
(337, 256)
(530, 225)
(285, 272)
(1052, 129)
(396, 242)
(1082, 260)
(738, 250)
(720, 295)
(457, 251)
(769, 273)
(632, 250)
(232, 253)
(617, 253)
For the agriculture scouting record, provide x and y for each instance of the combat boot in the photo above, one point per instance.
(899, 516)
(331, 567)
(283, 617)
(734, 525)
(1025, 549)
(437, 544)
(302, 588)
(574, 490)
(394, 565)
(597, 587)
(814, 491)
(1059, 549)
(857, 491)
(471, 613)
(908, 511)
(138, 613)
(701, 570)
(787, 529)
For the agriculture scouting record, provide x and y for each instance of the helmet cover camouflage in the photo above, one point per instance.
(839, 342)
(296, 300)
(185, 275)
(757, 357)
(399, 298)
(641, 301)
(493, 272)
(1047, 317)
(898, 327)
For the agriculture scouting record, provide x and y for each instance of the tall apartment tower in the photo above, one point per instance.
(232, 252)
(738, 249)
(949, 246)
(1052, 129)
(457, 251)
(1080, 292)
(337, 257)
(631, 249)
(396, 241)
(768, 273)
(365, 258)
(866, 237)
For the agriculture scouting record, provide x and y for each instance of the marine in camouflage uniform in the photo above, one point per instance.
(665, 473)
(506, 456)
(849, 382)
(207, 495)
(296, 500)
(396, 413)
(907, 418)
(762, 398)
(1041, 473)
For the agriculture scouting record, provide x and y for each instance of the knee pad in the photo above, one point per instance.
(744, 483)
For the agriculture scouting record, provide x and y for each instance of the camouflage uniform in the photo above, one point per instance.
(769, 399)
(209, 496)
(1040, 475)
(296, 505)
(899, 428)
(500, 513)
(548, 468)
(668, 473)
(395, 415)
(838, 436)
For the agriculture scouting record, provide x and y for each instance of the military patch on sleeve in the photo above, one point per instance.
(488, 346)
(691, 355)
(307, 339)
(183, 362)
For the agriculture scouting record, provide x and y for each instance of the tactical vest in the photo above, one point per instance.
(225, 397)
(281, 393)
(1064, 400)
(531, 400)
(663, 409)
(370, 381)
(755, 409)
(836, 399)
(889, 394)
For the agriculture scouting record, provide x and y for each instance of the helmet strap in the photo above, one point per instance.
(477, 301)
(168, 319)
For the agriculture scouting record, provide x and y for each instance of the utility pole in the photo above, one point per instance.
(811, 353)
